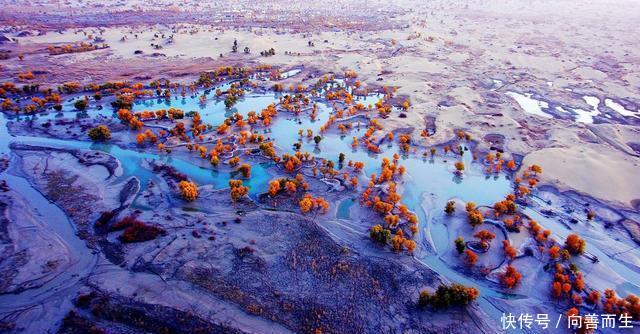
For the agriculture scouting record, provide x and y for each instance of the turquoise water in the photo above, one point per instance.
(344, 207)
(426, 175)
(213, 111)
(433, 177)
(132, 161)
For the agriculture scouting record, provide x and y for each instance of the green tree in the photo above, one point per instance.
(81, 104)
(99, 133)
(445, 296)
(450, 208)
(460, 246)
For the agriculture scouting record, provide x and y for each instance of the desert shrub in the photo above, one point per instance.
(81, 104)
(124, 223)
(139, 232)
(104, 218)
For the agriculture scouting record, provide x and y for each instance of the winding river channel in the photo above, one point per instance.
(428, 177)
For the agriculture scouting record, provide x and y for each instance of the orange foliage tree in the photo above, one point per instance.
(510, 277)
(554, 252)
(509, 251)
(274, 187)
(245, 169)
(470, 257)
(473, 215)
(574, 244)
(485, 237)
(308, 204)
(188, 190)
(237, 190)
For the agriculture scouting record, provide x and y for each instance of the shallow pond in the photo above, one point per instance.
(539, 107)
(530, 105)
